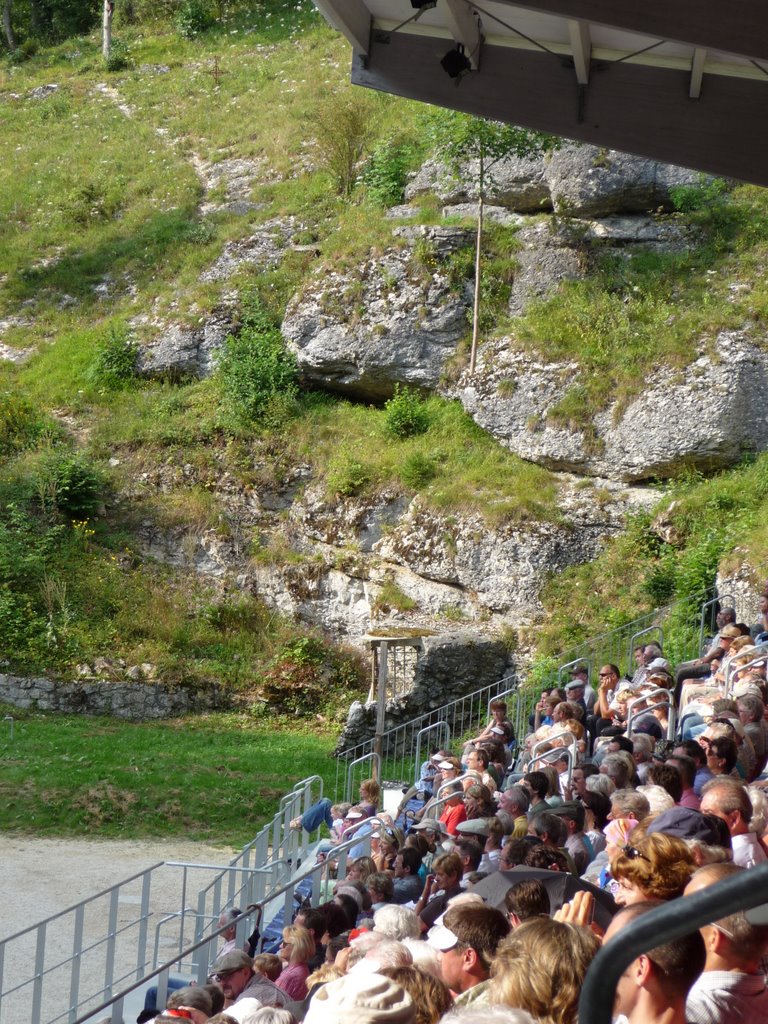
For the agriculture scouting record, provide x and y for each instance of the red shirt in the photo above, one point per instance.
(453, 816)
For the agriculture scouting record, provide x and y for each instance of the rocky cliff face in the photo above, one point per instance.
(398, 318)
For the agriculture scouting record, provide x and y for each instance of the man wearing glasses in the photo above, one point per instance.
(234, 973)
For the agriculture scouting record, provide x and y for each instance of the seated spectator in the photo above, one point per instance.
(454, 810)
(732, 984)
(194, 1000)
(515, 804)
(571, 813)
(686, 768)
(396, 923)
(296, 950)
(385, 843)
(234, 973)
(430, 995)
(620, 769)
(269, 965)
(628, 803)
(540, 967)
(694, 750)
(525, 900)
(658, 798)
(751, 711)
(440, 887)
(597, 807)
(656, 867)
(705, 836)
(361, 998)
(407, 884)
(314, 920)
(547, 858)
(513, 852)
(228, 917)
(729, 801)
(321, 812)
(470, 852)
(478, 801)
(359, 869)
(536, 785)
(492, 848)
(654, 987)
(467, 941)
(499, 726)
(381, 888)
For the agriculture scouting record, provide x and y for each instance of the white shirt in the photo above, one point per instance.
(747, 851)
(727, 997)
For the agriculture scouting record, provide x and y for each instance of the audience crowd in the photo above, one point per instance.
(489, 893)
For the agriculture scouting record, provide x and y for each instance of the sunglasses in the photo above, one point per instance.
(633, 853)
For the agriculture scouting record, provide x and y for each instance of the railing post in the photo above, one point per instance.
(77, 950)
(381, 704)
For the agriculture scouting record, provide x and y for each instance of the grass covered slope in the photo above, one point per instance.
(102, 237)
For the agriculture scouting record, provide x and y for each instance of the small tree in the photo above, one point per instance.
(459, 139)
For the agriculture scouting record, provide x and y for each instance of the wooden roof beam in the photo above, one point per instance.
(464, 28)
(697, 73)
(581, 48)
(350, 17)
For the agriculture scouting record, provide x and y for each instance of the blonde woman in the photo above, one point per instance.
(540, 968)
(297, 948)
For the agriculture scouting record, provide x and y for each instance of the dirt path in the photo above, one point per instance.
(41, 877)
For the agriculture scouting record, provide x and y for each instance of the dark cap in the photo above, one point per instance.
(232, 961)
(685, 823)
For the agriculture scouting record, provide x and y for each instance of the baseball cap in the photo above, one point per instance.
(429, 823)
(232, 961)
(684, 823)
(442, 938)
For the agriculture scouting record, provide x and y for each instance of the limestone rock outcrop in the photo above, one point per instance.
(703, 417)
(398, 319)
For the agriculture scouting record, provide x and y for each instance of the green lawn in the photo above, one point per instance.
(213, 777)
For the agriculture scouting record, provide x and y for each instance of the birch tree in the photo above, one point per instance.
(472, 147)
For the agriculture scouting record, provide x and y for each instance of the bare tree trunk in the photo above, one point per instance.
(476, 308)
(478, 249)
(34, 19)
(106, 26)
(10, 38)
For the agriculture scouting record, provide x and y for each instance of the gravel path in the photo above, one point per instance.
(42, 877)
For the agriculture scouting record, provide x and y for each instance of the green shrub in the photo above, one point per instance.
(307, 676)
(21, 424)
(347, 475)
(70, 484)
(689, 198)
(255, 366)
(114, 363)
(406, 414)
(343, 127)
(418, 469)
(386, 172)
(118, 56)
(193, 18)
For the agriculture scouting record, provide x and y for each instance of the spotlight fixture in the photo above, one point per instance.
(423, 5)
(456, 63)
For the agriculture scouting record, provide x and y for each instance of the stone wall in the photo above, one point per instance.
(131, 701)
(450, 666)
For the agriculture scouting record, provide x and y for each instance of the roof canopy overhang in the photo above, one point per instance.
(683, 81)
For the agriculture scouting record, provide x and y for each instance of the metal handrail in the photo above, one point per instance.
(645, 697)
(200, 963)
(573, 664)
(717, 599)
(374, 757)
(445, 732)
(731, 669)
(571, 752)
(644, 632)
(663, 924)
